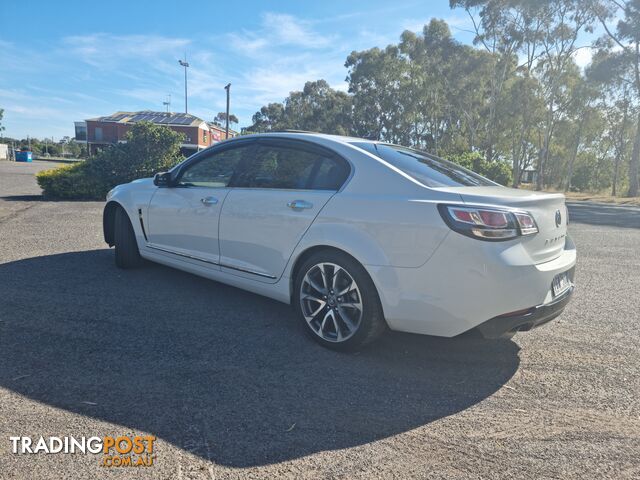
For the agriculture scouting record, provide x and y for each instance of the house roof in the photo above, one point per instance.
(161, 118)
(220, 128)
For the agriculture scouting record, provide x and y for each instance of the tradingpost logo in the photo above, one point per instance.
(122, 451)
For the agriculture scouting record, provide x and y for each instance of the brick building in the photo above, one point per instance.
(101, 131)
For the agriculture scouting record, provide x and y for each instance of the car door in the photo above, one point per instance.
(274, 201)
(183, 218)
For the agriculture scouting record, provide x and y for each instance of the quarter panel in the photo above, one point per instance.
(380, 229)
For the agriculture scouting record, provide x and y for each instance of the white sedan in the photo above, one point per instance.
(359, 236)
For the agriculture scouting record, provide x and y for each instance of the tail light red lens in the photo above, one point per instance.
(492, 224)
(494, 219)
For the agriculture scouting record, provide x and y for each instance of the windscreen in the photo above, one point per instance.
(427, 169)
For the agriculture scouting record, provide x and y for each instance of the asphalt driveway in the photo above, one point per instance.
(232, 388)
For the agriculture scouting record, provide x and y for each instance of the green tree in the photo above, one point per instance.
(1, 115)
(377, 79)
(318, 107)
(268, 118)
(618, 62)
(221, 118)
(517, 97)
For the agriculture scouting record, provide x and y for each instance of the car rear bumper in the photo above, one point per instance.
(524, 321)
(467, 283)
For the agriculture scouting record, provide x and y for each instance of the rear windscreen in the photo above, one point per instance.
(427, 169)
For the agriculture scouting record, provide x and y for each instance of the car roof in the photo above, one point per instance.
(302, 135)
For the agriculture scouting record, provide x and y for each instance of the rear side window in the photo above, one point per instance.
(427, 169)
(284, 167)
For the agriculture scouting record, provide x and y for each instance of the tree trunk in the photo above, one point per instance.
(633, 164)
(616, 168)
(572, 161)
(544, 152)
(516, 167)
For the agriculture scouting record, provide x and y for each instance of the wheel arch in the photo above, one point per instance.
(108, 221)
(308, 252)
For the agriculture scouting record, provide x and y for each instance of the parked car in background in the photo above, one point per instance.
(359, 236)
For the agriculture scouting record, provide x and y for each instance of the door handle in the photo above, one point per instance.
(209, 200)
(299, 204)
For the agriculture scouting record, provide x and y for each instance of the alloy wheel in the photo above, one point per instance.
(331, 302)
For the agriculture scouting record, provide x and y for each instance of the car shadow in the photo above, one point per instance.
(216, 371)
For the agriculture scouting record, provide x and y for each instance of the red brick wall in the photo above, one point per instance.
(113, 132)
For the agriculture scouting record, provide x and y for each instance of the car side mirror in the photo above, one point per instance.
(162, 179)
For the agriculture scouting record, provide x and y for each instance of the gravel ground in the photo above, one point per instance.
(233, 389)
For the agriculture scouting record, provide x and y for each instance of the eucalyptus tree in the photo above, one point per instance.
(317, 107)
(269, 117)
(567, 19)
(618, 61)
(498, 30)
(378, 79)
(447, 87)
(585, 122)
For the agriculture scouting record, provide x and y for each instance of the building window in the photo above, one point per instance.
(204, 136)
(81, 131)
(98, 134)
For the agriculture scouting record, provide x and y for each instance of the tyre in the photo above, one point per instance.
(127, 253)
(337, 301)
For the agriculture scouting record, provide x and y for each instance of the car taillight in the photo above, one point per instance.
(492, 224)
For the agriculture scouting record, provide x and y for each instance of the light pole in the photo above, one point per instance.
(228, 89)
(185, 64)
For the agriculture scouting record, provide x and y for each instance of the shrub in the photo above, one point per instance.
(149, 149)
(497, 170)
(68, 183)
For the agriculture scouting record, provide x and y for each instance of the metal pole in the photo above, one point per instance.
(185, 64)
(227, 88)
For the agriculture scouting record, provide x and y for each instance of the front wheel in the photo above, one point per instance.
(338, 302)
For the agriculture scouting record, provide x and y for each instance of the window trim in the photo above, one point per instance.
(304, 145)
(360, 144)
(205, 154)
(253, 142)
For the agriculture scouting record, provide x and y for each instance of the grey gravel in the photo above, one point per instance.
(232, 388)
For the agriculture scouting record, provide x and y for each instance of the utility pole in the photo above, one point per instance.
(185, 64)
(228, 89)
(167, 102)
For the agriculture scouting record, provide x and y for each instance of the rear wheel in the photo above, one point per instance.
(338, 302)
(126, 247)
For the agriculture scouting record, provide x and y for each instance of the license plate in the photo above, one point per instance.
(561, 284)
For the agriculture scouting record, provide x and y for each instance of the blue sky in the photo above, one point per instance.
(67, 61)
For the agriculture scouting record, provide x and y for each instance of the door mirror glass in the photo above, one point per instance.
(162, 179)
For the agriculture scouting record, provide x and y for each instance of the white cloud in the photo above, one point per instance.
(278, 30)
(106, 51)
(290, 30)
